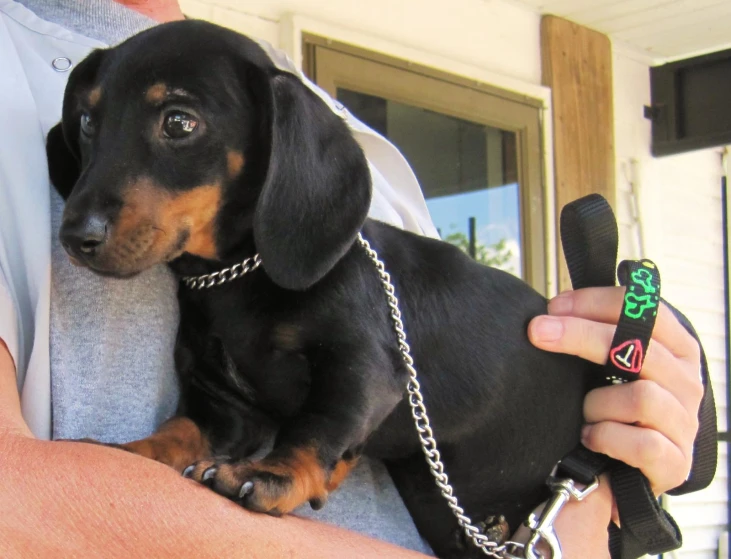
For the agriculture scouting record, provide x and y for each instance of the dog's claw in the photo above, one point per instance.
(209, 474)
(246, 488)
(188, 472)
(317, 503)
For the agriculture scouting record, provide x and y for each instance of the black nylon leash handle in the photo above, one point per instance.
(590, 240)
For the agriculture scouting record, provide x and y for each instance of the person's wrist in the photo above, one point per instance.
(581, 526)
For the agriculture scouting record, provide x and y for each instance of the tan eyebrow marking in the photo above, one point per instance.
(156, 94)
(94, 96)
(235, 163)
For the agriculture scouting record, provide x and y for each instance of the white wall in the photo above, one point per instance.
(495, 35)
(498, 41)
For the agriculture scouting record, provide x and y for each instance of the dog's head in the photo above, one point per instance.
(186, 139)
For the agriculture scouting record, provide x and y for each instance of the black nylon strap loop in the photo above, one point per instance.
(590, 241)
(705, 449)
(646, 527)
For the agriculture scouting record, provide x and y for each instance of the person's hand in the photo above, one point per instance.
(650, 423)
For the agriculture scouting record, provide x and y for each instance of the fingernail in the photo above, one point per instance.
(585, 433)
(547, 329)
(561, 304)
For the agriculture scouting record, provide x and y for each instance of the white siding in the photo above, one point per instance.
(680, 195)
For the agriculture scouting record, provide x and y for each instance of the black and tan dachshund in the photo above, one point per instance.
(185, 145)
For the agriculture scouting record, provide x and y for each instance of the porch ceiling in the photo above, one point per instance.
(664, 29)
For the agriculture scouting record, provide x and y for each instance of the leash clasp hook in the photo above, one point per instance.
(541, 525)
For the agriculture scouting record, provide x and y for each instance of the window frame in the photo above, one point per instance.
(331, 64)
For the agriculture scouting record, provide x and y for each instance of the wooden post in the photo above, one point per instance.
(577, 66)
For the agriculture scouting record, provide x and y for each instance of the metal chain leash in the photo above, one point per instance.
(223, 276)
(421, 420)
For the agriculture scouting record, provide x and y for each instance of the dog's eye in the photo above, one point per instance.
(88, 125)
(178, 124)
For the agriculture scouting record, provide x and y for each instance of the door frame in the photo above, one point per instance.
(294, 26)
(334, 65)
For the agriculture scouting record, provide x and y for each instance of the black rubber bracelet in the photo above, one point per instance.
(634, 329)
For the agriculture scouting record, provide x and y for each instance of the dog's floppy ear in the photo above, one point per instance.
(62, 143)
(63, 167)
(317, 190)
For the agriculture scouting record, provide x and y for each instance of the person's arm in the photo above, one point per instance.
(58, 497)
(650, 424)
(63, 499)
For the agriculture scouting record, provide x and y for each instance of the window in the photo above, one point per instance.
(476, 150)
(690, 108)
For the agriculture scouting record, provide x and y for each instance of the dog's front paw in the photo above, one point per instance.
(275, 485)
(494, 527)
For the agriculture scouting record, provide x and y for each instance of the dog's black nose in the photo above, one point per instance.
(84, 237)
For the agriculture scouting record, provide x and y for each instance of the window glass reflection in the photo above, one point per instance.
(467, 171)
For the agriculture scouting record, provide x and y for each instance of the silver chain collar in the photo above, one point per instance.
(223, 276)
(541, 526)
